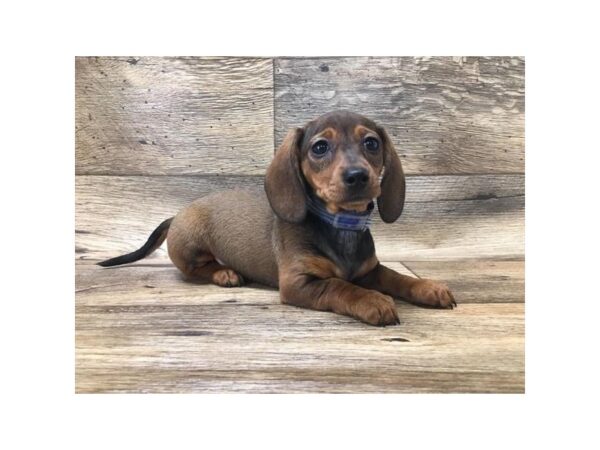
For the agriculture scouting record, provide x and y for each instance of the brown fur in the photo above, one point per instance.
(230, 236)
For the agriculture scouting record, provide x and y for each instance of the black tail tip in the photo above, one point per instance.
(123, 259)
(109, 262)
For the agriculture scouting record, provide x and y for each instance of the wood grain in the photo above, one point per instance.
(140, 329)
(173, 115)
(445, 115)
(445, 217)
(477, 281)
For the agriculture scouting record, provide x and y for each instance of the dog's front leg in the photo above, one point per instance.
(418, 291)
(338, 296)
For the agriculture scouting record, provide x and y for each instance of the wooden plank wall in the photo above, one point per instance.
(154, 133)
(173, 116)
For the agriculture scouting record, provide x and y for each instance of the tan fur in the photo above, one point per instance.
(366, 267)
(233, 227)
(318, 266)
(328, 133)
(360, 131)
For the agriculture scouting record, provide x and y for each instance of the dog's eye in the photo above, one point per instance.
(371, 144)
(319, 148)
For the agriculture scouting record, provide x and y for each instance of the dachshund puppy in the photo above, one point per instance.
(309, 235)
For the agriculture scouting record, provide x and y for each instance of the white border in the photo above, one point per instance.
(37, 185)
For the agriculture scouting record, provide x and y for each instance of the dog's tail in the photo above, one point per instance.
(154, 241)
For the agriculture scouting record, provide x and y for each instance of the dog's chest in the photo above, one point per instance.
(347, 249)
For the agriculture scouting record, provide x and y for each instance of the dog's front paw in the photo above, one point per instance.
(376, 309)
(432, 293)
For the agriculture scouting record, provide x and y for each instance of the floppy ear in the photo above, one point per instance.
(283, 183)
(391, 201)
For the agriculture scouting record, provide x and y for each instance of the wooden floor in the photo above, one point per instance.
(152, 134)
(142, 329)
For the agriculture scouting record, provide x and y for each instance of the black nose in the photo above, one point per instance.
(355, 177)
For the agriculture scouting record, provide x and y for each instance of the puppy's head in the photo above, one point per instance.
(340, 158)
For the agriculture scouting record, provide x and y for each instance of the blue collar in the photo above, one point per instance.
(353, 221)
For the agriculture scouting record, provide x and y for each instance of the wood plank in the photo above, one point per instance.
(173, 115)
(141, 328)
(135, 338)
(477, 281)
(445, 115)
(445, 217)
(128, 379)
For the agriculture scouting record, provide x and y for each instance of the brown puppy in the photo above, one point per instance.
(308, 235)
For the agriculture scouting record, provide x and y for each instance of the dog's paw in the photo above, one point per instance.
(376, 309)
(227, 278)
(432, 293)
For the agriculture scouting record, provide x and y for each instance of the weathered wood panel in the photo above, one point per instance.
(139, 339)
(445, 115)
(173, 115)
(276, 380)
(445, 217)
(477, 281)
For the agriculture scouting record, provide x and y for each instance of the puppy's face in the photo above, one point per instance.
(342, 158)
(339, 157)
